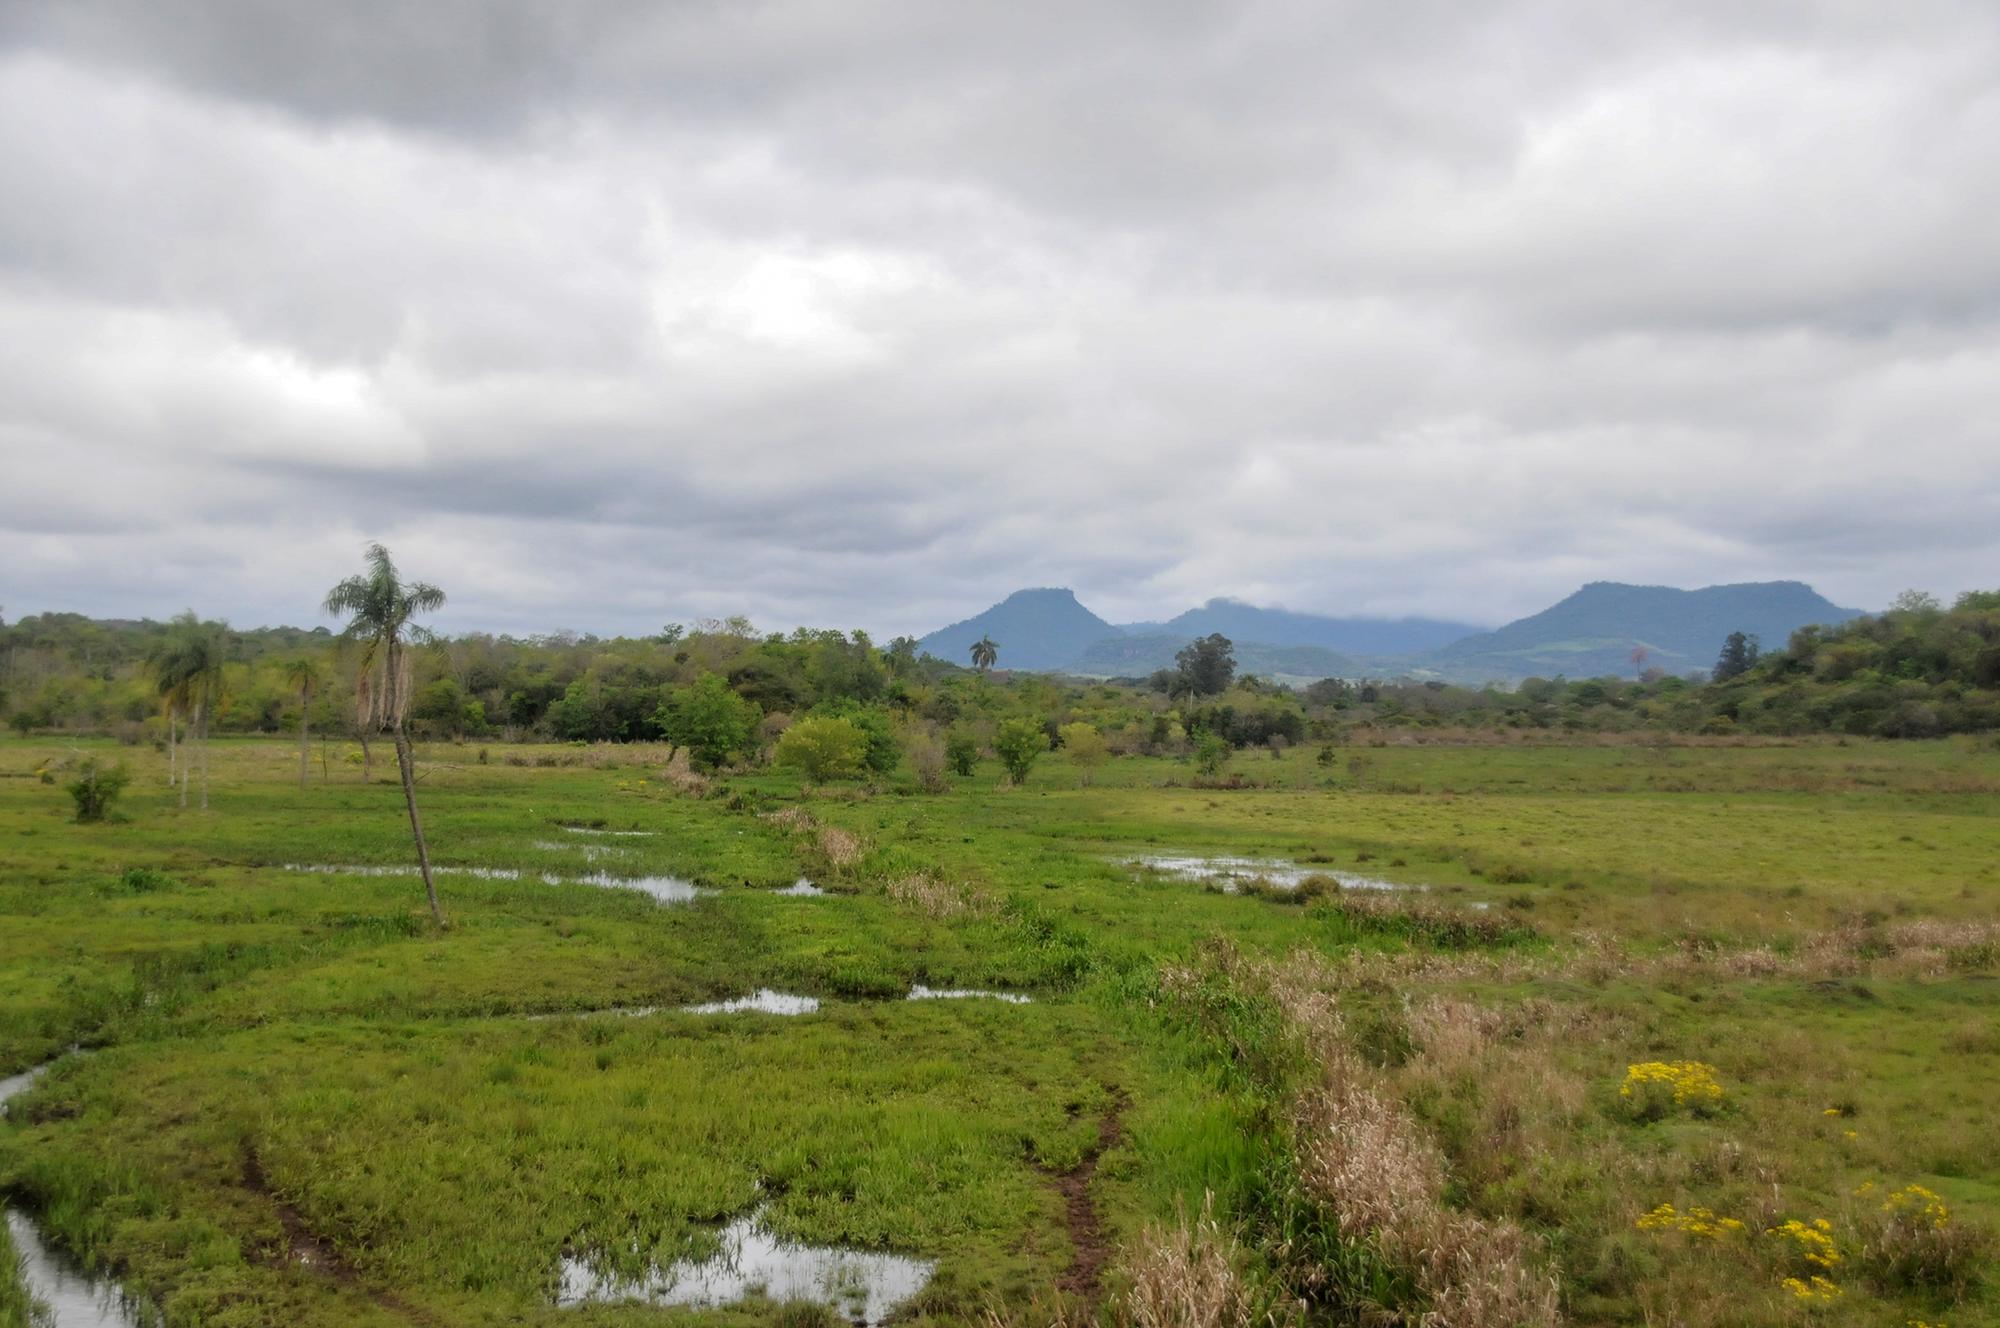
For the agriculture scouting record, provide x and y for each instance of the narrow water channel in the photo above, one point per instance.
(70, 1297)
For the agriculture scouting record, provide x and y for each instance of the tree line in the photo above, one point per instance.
(728, 692)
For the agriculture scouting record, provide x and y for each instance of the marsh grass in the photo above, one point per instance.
(1813, 921)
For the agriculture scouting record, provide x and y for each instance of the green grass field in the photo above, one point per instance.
(301, 1104)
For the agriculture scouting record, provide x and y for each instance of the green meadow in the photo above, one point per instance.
(293, 1100)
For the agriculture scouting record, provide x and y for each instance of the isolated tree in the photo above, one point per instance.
(708, 719)
(305, 673)
(1207, 665)
(379, 606)
(1017, 743)
(1739, 652)
(985, 653)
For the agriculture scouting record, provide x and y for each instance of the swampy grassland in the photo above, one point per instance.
(296, 1102)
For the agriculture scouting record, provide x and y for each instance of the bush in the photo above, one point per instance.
(140, 881)
(882, 750)
(824, 748)
(96, 787)
(1211, 754)
(1018, 742)
(1085, 746)
(927, 759)
(961, 753)
(1912, 1243)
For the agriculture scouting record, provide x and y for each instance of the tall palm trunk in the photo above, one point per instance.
(305, 736)
(196, 719)
(367, 758)
(173, 732)
(201, 722)
(404, 763)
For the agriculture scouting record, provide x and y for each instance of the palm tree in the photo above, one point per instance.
(187, 665)
(378, 607)
(984, 653)
(304, 673)
(206, 648)
(166, 661)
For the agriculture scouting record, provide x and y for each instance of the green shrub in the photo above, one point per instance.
(1017, 743)
(96, 786)
(1210, 755)
(961, 753)
(823, 748)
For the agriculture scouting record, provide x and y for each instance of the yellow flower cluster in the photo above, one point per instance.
(1817, 1289)
(1917, 1203)
(1691, 1081)
(1811, 1241)
(1920, 1323)
(1696, 1221)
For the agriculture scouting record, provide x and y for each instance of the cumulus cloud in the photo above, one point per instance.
(865, 314)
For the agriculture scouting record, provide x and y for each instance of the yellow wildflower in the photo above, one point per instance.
(1693, 1083)
(1696, 1221)
(1915, 1202)
(1811, 1243)
(1817, 1289)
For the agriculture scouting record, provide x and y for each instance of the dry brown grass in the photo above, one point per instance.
(936, 897)
(841, 848)
(1367, 1161)
(792, 820)
(1185, 1276)
(680, 775)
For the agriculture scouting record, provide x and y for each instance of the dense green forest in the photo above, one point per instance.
(729, 692)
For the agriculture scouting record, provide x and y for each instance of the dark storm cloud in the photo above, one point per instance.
(866, 314)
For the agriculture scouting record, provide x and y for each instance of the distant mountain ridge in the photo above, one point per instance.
(1606, 627)
(1241, 621)
(1035, 629)
(1597, 630)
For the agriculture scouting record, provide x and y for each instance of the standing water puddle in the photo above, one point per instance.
(619, 834)
(862, 1285)
(74, 1298)
(923, 993)
(761, 1001)
(666, 889)
(801, 888)
(1227, 871)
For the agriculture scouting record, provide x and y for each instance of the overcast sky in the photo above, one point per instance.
(867, 312)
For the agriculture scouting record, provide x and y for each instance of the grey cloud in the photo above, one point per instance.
(867, 314)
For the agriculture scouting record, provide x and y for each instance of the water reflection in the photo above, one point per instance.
(862, 1285)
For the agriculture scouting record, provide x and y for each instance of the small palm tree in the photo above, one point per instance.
(208, 656)
(306, 674)
(984, 653)
(379, 606)
(167, 662)
(187, 667)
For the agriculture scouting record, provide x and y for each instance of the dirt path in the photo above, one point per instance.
(305, 1250)
(1085, 1275)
